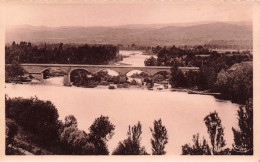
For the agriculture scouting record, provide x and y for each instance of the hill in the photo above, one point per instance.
(152, 34)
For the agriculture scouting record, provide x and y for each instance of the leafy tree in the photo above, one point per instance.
(10, 130)
(243, 137)
(14, 71)
(70, 121)
(215, 131)
(192, 79)
(100, 132)
(197, 148)
(60, 53)
(34, 115)
(150, 61)
(236, 83)
(131, 146)
(160, 138)
(178, 79)
(103, 128)
(74, 140)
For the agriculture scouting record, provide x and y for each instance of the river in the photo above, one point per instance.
(181, 113)
(134, 58)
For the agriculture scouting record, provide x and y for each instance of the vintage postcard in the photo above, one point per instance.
(102, 80)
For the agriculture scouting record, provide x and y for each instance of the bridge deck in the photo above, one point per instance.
(108, 66)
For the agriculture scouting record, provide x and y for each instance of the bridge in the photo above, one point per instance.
(37, 70)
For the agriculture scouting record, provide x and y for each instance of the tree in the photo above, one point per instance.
(243, 137)
(100, 132)
(215, 131)
(160, 138)
(34, 115)
(150, 61)
(177, 78)
(70, 121)
(131, 146)
(74, 140)
(14, 71)
(236, 83)
(10, 130)
(197, 148)
(103, 128)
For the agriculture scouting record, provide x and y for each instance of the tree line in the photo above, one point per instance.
(40, 119)
(230, 74)
(195, 56)
(235, 83)
(26, 52)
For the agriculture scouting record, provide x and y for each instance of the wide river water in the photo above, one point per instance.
(181, 113)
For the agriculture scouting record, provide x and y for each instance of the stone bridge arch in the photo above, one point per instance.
(75, 69)
(106, 69)
(36, 70)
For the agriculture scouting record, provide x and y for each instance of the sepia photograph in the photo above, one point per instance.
(128, 78)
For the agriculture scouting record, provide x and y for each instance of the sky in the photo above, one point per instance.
(113, 14)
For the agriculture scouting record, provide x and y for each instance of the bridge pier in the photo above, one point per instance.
(66, 80)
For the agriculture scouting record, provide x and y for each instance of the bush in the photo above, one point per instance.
(76, 141)
(197, 148)
(34, 115)
(10, 130)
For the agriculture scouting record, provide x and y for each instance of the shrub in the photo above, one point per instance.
(10, 130)
(197, 148)
(34, 115)
(76, 141)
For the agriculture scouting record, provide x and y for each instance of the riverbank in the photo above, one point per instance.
(58, 81)
(178, 110)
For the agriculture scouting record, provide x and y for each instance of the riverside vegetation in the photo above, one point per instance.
(28, 131)
(228, 73)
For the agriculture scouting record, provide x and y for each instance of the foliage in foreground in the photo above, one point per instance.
(101, 131)
(131, 145)
(215, 131)
(160, 138)
(243, 137)
(197, 148)
(40, 118)
(36, 116)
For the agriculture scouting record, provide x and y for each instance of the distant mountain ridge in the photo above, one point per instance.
(235, 33)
